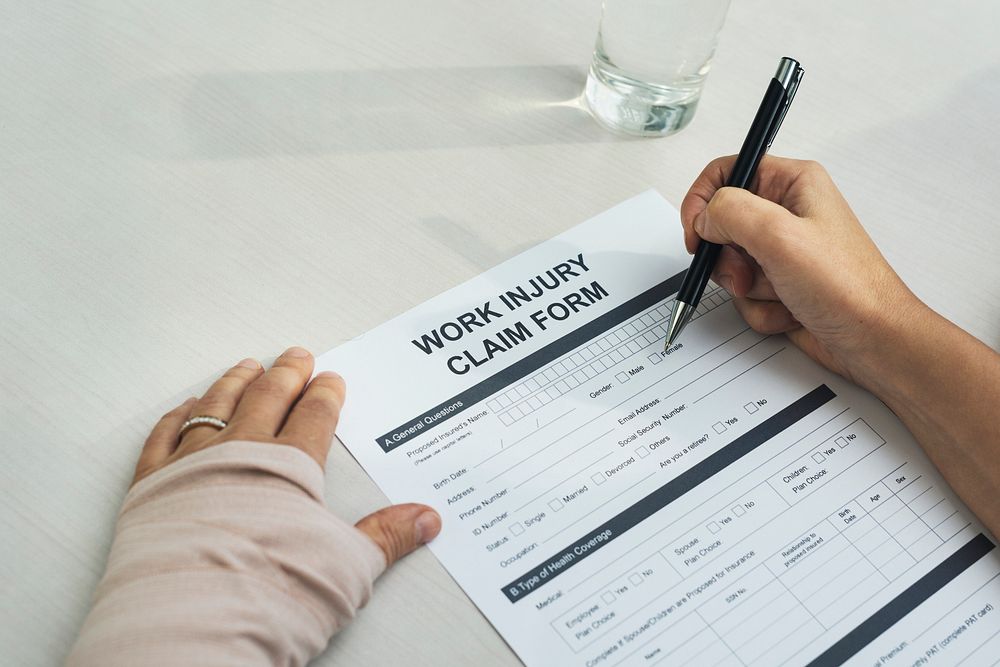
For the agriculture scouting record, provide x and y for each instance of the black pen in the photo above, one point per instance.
(773, 107)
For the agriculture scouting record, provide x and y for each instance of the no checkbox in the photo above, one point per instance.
(636, 578)
(841, 442)
(750, 408)
(739, 510)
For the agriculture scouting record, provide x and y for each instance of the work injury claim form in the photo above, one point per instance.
(608, 502)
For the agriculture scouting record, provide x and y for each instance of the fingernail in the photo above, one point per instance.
(699, 222)
(296, 352)
(327, 374)
(727, 283)
(249, 363)
(427, 526)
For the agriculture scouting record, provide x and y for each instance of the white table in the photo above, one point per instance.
(186, 183)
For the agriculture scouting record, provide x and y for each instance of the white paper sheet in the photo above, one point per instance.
(727, 502)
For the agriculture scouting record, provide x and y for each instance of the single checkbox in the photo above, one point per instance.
(719, 427)
(713, 527)
(642, 451)
(739, 510)
(750, 408)
(517, 528)
(841, 442)
(818, 457)
(608, 597)
(555, 504)
(598, 478)
(636, 579)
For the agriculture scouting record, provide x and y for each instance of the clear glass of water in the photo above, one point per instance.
(650, 63)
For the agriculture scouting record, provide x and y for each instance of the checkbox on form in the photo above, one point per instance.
(517, 528)
(608, 597)
(750, 408)
(841, 442)
(598, 478)
(719, 427)
(818, 457)
(555, 504)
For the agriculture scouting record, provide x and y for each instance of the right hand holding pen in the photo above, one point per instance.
(797, 260)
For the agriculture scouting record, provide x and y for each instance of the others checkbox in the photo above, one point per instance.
(555, 504)
(598, 478)
(818, 457)
(517, 528)
(719, 427)
(750, 408)
(642, 451)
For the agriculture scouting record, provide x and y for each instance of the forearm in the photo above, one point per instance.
(227, 557)
(945, 387)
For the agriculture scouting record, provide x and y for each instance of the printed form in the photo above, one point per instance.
(606, 502)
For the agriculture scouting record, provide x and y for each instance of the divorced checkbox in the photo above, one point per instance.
(622, 377)
(608, 597)
(841, 442)
(642, 451)
(555, 504)
(636, 579)
(750, 408)
(517, 528)
(713, 527)
(739, 510)
(818, 457)
(598, 478)
(719, 427)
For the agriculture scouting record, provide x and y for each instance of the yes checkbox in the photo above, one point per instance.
(818, 457)
(608, 597)
(713, 527)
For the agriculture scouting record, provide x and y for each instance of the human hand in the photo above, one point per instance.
(797, 261)
(283, 407)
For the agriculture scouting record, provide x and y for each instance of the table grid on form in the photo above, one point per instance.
(601, 354)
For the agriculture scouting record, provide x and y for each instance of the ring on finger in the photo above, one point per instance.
(202, 420)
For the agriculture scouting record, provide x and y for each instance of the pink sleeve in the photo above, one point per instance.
(228, 556)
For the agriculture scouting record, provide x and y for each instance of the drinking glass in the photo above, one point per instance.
(650, 63)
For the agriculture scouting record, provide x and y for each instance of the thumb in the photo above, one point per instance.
(735, 216)
(400, 529)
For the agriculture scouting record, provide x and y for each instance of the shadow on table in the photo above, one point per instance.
(251, 114)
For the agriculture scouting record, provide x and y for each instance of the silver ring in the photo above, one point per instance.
(202, 420)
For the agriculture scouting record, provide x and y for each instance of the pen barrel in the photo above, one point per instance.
(693, 285)
(758, 138)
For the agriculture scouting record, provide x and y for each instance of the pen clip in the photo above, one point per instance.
(790, 90)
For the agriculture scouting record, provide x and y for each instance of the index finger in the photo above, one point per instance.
(711, 178)
(313, 420)
(775, 177)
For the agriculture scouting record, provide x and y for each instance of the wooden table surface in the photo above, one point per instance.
(185, 183)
